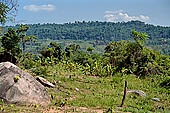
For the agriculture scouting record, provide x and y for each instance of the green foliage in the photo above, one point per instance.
(80, 57)
(140, 38)
(134, 56)
(54, 51)
(3, 13)
(7, 10)
(47, 52)
(125, 57)
(71, 49)
(10, 42)
(99, 69)
(21, 32)
(166, 82)
(1, 102)
(1, 49)
(97, 30)
(12, 38)
(16, 78)
(28, 61)
(90, 49)
(58, 52)
(120, 57)
(100, 33)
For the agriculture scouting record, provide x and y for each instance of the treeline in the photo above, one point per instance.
(100, 32)
(96, 30)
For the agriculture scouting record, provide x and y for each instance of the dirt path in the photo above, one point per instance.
(68, 109)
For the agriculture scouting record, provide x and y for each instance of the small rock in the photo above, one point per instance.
(138, 92)
(156, 99)
(77, 89)
(59, 82)
(44, 82)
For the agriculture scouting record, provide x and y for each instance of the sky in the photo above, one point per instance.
(155, 12)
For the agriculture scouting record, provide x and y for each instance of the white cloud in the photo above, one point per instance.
(37, 8)
(117, 16)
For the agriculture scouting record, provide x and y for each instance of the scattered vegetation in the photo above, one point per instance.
(95, 81)
(16, 78)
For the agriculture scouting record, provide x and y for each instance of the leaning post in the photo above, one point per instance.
(124, 95)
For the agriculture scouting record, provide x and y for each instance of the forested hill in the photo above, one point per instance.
(96, 30)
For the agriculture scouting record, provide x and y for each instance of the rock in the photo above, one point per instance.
(76, 89)
(44, 82)
(59, 82)
(17, 86)
(156, 99)
(138, 92)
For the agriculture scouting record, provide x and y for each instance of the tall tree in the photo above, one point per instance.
(10, 42)
(53, 50)
(58, 52)
(21, 32)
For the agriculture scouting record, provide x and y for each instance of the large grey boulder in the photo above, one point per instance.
(17, 86)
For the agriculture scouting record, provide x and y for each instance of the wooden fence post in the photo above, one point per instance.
(124, 95)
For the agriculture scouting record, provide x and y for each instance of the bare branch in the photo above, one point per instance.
(8, 10)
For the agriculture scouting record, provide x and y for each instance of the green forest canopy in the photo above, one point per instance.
(97, 30)
(159, 36)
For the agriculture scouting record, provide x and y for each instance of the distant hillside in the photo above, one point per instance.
(97, 30)
(98, 34)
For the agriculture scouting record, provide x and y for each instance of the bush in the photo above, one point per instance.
(135, 57)
(166, 83)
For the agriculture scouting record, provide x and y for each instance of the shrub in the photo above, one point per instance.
(166, 83)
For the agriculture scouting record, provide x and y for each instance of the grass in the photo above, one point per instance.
(76, 92)
(107, 93)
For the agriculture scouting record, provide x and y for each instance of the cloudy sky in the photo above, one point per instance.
(61, 11)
